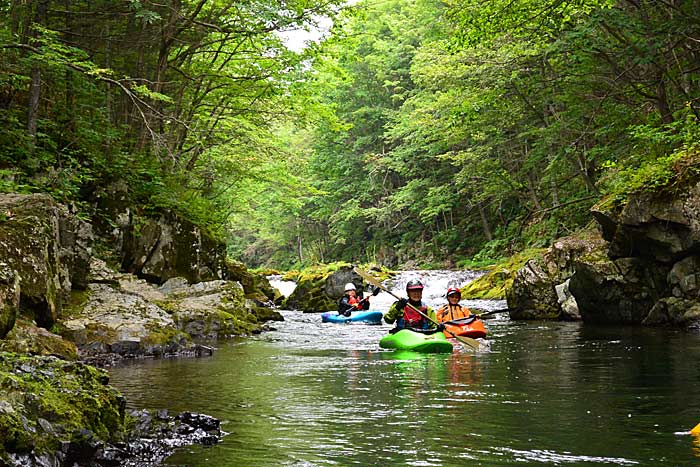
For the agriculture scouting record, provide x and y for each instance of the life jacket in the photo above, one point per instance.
(448, 312)
(351, 302)
(412, 319)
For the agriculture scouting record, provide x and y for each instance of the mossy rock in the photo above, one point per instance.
(48, 401)
(494, 284)
(26, 338)
(255, 284)
(318, 287)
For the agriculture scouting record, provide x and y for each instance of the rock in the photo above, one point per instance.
(532, 295)
(684, 278)
(567, 302)
(675, 312)
(653, 226)
(172, 246)
(540, 289)
(319, 289)
(113, 213)
(50, 404)
(26, 338)
(102, 274)
(122, 322)
(76, 239)
(30, 246)
(256, 286)
(9, 299)
(620, 291)
(80, 420)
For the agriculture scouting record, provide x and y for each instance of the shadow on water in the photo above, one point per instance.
(314, 394)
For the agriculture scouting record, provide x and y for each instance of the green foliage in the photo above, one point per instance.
(427, 132)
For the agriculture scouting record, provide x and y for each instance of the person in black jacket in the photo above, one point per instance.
(350, 302)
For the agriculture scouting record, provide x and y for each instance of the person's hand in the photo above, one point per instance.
(440, 327)
(376, 291)
(401, 304)
(347, 313)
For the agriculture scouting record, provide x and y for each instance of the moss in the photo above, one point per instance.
(164, 336)
(71, 396)
(76, 303)
(493, 285)
(26, 338)
(169, 306)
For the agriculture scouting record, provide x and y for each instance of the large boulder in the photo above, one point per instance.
(256, 286)
(171, 246)
(540, 289)
(318, 289)
(620, 291)
(49, 403)
(533, 295)
(123, 315)
(113, 216)
(652, 225)
(47, 248)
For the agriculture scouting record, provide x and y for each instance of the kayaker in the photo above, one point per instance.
(452, 309)
(350, 302)
(405, 316)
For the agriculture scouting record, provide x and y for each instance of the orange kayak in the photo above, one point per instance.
(471, 326)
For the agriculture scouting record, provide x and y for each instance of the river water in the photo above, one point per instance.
(537, 393)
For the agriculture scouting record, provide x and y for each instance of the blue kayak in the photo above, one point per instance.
(366, 317)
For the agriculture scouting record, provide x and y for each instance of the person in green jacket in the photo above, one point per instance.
(405, 316)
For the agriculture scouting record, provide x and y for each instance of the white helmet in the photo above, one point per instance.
(350, 286)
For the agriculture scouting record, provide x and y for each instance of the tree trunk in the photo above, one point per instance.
(583, 170)
(299, 245)
(35, 85)
(555, 192)
(484, 221)
(662, 101)
(533, 193)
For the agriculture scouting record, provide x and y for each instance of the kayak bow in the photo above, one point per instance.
(407, 339)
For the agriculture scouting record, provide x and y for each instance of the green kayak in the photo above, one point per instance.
(407, 339)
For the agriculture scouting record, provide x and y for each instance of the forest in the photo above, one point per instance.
(431, 133)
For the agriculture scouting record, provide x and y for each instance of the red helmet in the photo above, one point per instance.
(414, 284)
(453, 290)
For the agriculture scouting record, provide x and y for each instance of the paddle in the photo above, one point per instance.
(468, 341)
(465, 320)
(493, 312)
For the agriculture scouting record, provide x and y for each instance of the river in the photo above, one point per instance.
(537, 393)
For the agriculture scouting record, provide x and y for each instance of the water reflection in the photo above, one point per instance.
(543, 393)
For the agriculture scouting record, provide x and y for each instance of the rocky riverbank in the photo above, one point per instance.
(639, 266)
(164, 288)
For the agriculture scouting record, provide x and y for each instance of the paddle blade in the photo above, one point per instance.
(370, 279)
(468, 341)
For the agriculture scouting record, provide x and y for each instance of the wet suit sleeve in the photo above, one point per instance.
(392, 314)
(431, 314)
(343, 305)
(365, 303)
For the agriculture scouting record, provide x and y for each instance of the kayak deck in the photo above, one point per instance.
(466, 327)
(406, 339)
(366, 317)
